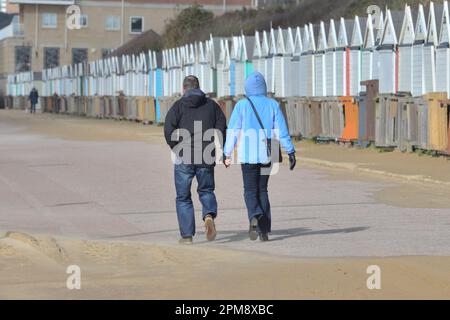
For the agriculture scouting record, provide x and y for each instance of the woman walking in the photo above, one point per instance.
(255, 125)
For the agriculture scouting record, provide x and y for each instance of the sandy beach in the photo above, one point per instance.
(342, 211)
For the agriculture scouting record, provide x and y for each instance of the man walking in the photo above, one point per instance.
(189, 131)
(33, 97)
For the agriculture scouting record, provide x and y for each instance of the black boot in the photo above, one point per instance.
(253, 229)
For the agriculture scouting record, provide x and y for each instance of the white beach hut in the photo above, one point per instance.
(257, 58)
(282, 60)
(429, 48)
(320, 60)
(330, 60)
(223, 69)
(355, 59)
(443, 53)
(343, 57)
(388, 52)
(405, 43)
(418, 78)
(295, 63)
(307, 72)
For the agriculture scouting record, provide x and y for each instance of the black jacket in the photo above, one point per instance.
(194, 107)
(34, 96)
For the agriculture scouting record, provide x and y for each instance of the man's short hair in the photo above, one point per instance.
(191, 82)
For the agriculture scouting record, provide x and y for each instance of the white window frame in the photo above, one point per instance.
(46, 14)
(134, 32)
(118, 23)
(87, 20)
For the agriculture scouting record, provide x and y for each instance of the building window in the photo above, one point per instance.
(51, 57)
(112, 23)
(49, 20)
(79, 55)
(106, 53)
(136, 24)
(83, 20)
(23, 58)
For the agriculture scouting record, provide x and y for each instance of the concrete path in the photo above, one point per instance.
(120, 190)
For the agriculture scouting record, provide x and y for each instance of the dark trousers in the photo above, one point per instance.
(256, 195)
(33, 108)
(184, 173)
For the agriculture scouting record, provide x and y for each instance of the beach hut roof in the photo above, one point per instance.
(290, 41)
(298, 46)
(246, 48)
(345, 32)
(444, 34)
(257, 50)
(389, 36)
(369, 37)
(378, 29)
(421, 25)
(433, 24)
(332, 35)
(321, 36)
(357, 38)
(214, 43)
(273, 42)
(265, 44)
(280, 41)
(407, 31)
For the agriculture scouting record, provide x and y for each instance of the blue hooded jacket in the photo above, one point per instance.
(244, 128)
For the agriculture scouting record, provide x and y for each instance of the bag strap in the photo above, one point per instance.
(256, 114)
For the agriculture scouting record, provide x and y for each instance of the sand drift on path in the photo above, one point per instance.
(34, 267)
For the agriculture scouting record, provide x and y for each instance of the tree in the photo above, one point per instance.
(179, 29)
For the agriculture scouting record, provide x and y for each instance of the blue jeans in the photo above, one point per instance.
(256, 195)
(184, 173)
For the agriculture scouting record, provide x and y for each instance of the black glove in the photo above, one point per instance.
(292, 161)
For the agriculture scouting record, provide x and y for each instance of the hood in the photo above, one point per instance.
(255, 85)
(194, 98)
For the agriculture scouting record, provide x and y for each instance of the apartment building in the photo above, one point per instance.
(41, 39)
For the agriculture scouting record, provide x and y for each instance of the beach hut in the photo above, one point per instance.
(379, 31)
(355, 59)
(387, 51)
(330, 60)
(234, 52)
(282, 59)
(429, 48)
(215, 47)
(243, 64)
(223, 70)
(265, 44)
(443, 53)
(343, 57)
(273, 73)
(367, 50)
(405, 43)
(418, 85)
(295, 64)
(189, 62)
(320, 61)
(257, 58)
(206, 74)
(306, 65)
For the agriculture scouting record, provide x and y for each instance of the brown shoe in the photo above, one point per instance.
(210, 228)
(185, 240)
